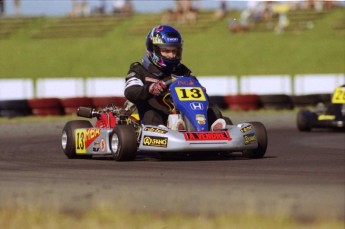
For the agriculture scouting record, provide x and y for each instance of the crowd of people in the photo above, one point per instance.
(265, 11)
(82, 7)
(16, 7)
(187, 12)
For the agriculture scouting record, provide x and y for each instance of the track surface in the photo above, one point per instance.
(302, 175)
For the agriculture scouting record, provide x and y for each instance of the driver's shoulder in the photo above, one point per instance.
(135, 66)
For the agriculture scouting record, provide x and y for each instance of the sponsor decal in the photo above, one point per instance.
(201, 119)
(102, 145)
(326, 117)
(196, 106)
(172, 39)
(207, 136)
(96, 147)
(246, 128)
(155, 141)
(185, 83)
(249, 138)
(84, 138)
(157, 39)
(155, 130)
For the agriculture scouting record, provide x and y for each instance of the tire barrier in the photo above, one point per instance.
(14, 108)
(71, 105)
(276, 102)
(309, 100)
(46, 106)
(68, 106)
(100, 102)
(243, 102)
(218, 101)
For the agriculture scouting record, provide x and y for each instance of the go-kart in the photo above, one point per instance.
(330, 116)
(118, 132)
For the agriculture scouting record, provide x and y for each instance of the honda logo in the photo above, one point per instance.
(197, 106)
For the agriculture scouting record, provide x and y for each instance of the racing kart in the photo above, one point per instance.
(325, 115)
(118, 131)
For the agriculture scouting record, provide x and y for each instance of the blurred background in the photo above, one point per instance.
(83, 48)
(63, 7)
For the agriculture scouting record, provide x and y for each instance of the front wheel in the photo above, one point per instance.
(228, 120)
(304, 120)
(68, 137)
(123, 143)
(261, 138)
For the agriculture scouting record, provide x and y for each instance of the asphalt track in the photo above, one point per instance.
(301, 175)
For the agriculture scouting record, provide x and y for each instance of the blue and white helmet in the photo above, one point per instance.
(164, 36)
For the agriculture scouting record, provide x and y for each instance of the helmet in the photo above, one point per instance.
(160, 37)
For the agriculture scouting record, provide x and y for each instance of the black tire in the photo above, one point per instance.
(276, 102)
(213, 113)
(68, 140)
(228, 120)
(14, 108)
(217, 101)
(123, 143)
(305, 100)
(261, 137)
(303, 120)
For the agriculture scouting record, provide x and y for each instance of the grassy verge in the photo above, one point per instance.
(110, 218)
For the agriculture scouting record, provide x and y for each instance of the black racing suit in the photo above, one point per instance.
(151, 109)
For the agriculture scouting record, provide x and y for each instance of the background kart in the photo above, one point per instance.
(118, 133)
(325, 115)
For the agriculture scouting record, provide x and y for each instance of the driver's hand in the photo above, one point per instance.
(157, 88)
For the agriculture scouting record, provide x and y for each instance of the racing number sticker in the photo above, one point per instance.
(190, 93)
(339, 95)
(80, 136)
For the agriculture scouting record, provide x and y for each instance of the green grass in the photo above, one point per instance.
(110, 218)
(214, 51)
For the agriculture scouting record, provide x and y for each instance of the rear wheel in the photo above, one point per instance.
(261, 138)
(123, 143)
(68, 139)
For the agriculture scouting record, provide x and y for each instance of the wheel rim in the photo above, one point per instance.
(114, 143)
(64, 140)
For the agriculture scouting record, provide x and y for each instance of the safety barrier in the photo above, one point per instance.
(60, 96)
(69, 106)
(216, 86)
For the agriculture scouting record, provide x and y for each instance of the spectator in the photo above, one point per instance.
(248, 13)
(100, 8)
(2, 7)
(118, 5)
(85, 9)
(283, 22)
(128, 8)
(75, 8)
(222, 11)
(80, 8)
(16, 7)
(122, 7)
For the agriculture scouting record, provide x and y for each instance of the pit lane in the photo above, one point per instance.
(302, 174)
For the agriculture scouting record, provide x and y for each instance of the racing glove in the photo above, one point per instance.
(157, 88)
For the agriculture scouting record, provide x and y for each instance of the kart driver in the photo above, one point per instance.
(145, 82)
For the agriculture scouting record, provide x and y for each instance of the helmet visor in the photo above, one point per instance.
(169, 51)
